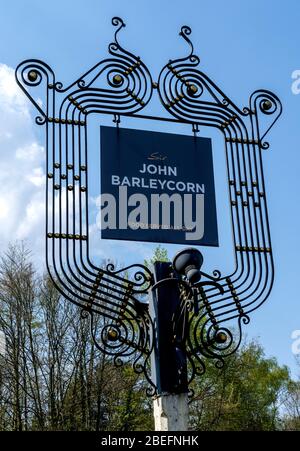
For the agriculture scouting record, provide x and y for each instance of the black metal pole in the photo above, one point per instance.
(168, 360)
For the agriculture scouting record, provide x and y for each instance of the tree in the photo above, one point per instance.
(291, 420)
(52, 376)
(245, 395)
(160, 254)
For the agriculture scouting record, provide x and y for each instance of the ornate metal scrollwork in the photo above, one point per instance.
(121, 85)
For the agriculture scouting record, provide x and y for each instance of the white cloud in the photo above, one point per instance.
(10, 93)
(36, 177)
(22, 183)
(22, 175)
(30, 152)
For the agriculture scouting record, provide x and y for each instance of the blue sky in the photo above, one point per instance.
(243, 46)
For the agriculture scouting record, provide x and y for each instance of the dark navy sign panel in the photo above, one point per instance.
(137, 168)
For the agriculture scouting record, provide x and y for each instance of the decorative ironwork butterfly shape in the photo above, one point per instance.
(121, 85)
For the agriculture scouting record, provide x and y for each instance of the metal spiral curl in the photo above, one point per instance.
(121, 85)
(142, 278)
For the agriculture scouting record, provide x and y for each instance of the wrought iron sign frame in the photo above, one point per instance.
(187, 95)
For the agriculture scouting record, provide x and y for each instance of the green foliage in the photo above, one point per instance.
(54, 378)
(160, 255)
(244, 396)
(291, 420)
(128, 408)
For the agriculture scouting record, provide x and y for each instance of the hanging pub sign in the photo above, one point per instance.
(157, 187)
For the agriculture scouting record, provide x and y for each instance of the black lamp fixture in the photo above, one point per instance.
(188, 263)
